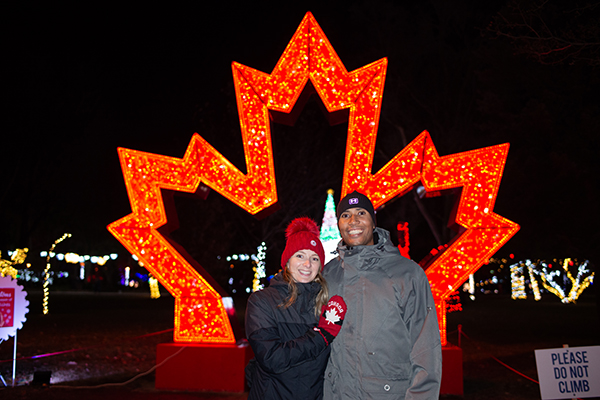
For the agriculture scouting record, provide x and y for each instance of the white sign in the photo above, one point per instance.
(569, 372)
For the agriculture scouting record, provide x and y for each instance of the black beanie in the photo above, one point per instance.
(355, 200)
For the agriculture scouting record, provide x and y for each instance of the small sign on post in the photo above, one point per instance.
(13, 307)
(569, 372)
(7, 307)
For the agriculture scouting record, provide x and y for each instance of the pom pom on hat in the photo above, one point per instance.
(302, 234)
(302, 224)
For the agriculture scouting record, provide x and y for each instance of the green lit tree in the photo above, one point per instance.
(330, 234)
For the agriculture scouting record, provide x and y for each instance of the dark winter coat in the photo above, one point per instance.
(389, 347)
(290, 356)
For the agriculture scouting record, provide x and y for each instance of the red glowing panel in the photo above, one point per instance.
(477, 172)
(200, 314)
(403, 239)
(199, 311)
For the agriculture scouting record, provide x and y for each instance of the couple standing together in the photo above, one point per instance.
(362, 327)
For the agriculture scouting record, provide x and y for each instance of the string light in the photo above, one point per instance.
(403, 239)
(75, 258)
(16, 257)
(199, 312)
(126, 278)
(470, 287)
(72, 258)
(549, 278)
(329, 234)
(154, 291)
(496, 280)
(47, 272)
(537, 296)
(577, 284)
(259, 268)
(517, 279)
(453, 303)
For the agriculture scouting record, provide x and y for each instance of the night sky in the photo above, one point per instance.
(83, 81)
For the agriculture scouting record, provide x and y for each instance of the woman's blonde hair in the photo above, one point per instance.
(320, 300)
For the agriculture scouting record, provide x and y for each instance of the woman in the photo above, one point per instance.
(289, 340)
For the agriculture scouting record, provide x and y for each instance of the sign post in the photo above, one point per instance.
(569, 372)
(13, 308)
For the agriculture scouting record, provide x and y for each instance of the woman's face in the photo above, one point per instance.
(304, 266)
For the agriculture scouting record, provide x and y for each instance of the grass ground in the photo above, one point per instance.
(110, 333)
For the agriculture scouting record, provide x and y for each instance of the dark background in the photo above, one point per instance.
(83, 80)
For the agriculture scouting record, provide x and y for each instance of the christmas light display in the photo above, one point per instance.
(534, 286)
(472, 286)
(7, 266)
(13, 307)
(469, 287)
(72, 258)
(199, 312)
(577, 284)
(154, 291)
(75, 258)
(126, 276)
(453, 303)
(330, 234)
(403, 239)
(558, 281)
(259, 267)
(517, 279)
(45, 308)
(495, 283)
(9, 270)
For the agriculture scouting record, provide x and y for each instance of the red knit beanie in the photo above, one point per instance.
(302, 234)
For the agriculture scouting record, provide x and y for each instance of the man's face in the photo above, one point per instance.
(356, 227)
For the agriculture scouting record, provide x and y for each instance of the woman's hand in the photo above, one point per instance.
(332, 317)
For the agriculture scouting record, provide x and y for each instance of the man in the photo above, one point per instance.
(390, 344)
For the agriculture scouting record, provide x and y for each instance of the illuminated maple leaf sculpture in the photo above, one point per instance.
(200, 312)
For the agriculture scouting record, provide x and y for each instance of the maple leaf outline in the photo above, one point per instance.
(258, 93)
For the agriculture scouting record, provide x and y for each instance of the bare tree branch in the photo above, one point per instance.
(551, 32)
